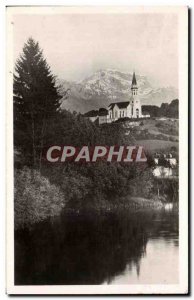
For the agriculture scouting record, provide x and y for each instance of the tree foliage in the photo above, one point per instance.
(36, 101)
(35, 198)
(170, 110)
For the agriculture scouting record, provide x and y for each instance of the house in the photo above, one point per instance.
(129, 109)
(164, 159)
(103, 116)
(162, 172)
(92, 115)
(100, 116)
(165, 165)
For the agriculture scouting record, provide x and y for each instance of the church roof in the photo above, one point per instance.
(119, 104)
(134, 82)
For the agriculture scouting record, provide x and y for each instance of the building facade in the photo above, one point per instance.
(128, 109)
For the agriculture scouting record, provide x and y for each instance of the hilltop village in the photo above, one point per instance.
(144, 128)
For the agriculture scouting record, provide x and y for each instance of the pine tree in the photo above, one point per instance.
(36, 102)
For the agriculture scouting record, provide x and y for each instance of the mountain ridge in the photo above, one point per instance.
(110, 85)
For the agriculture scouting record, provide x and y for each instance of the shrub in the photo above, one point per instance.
(76, 188)
(142, 185)
(35, 199)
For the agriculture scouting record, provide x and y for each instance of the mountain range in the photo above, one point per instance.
(106, 86)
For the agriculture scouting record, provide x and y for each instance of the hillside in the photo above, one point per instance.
(154, 134)
(106, 86)
(170, 110)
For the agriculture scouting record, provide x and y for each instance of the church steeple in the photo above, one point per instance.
(134, 82)
(134, 87)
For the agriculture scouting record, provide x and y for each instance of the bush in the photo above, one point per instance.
(142, 185)
(76, 188)
(35, 198)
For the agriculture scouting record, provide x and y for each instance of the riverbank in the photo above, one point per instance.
(129, 203)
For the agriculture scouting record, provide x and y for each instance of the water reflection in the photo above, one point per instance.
(118, 248)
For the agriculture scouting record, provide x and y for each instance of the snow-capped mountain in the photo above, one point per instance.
(106, 86)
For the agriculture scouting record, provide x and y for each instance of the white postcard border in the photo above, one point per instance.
(180, 288)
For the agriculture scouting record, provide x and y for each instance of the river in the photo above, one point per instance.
(113, 248)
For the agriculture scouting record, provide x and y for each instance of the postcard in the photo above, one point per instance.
(97, 150)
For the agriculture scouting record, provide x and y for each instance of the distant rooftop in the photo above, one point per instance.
(96, 113)
(119, 104)
(103, 112)
(91, 113)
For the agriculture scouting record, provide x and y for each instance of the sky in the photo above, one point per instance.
(77, 45)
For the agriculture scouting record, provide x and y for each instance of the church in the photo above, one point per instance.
(129, 109)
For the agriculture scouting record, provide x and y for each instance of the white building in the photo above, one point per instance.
(165, 157)
(163, 172)
(129, 109)
(165, 165)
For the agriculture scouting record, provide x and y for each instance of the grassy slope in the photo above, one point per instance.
(162, 133)
(153, 145)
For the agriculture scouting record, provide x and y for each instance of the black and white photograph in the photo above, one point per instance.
(97, 147)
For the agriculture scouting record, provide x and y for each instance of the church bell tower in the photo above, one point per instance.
(136, 111)
(134, 87)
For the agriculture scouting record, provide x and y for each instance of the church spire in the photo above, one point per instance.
(134, 82)
(134, 87)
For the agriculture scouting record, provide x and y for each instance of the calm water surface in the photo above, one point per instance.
(117, 248)
(159, 264)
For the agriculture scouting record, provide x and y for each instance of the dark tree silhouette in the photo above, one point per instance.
(36, 102)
